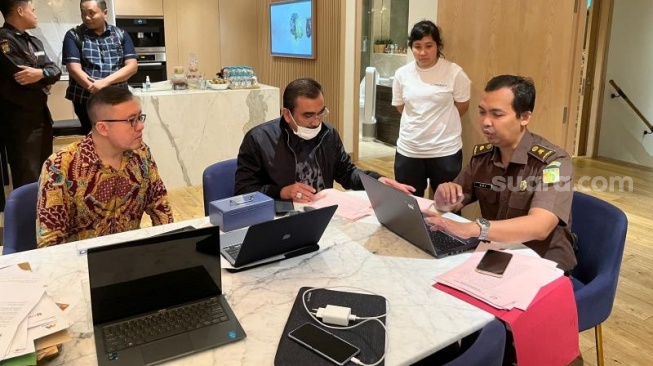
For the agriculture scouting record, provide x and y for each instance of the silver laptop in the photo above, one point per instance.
(159, 298)
(276, 240)
(400, 213)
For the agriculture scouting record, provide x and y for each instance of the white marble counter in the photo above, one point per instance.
(387, 63)
(188, 130)
(363, 254)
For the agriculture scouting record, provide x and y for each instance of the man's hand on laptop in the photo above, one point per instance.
(449, 197)
(396, 185)
(463, 230)
(298, 192)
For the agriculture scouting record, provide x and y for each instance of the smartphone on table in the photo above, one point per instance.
(494, 263)
(327, 345)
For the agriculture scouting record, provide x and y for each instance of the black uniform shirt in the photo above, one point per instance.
(23, 49)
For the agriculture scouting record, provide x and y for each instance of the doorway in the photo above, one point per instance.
(384, 31)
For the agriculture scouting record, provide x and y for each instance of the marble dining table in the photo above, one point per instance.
(361, 254)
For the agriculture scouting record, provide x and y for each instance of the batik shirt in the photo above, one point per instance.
(81, 198)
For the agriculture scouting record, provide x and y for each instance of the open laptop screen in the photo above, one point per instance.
(146, 275)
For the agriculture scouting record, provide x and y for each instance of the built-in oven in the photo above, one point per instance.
(152, 64)
(148, 35)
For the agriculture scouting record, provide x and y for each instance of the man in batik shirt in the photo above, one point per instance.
(103, 183)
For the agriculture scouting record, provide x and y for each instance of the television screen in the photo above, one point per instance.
(291, 29)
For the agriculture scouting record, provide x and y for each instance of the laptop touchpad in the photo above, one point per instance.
(167, 348)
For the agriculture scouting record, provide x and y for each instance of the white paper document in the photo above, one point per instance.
(26, 312)
(521, 281)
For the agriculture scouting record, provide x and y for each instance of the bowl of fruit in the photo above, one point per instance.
(217, 84)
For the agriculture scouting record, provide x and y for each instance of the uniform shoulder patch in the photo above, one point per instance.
(482, 149)
(541, 153)
(4, 46)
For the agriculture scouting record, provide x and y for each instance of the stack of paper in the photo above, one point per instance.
(521, 281)
(349, 206)
(27, 312)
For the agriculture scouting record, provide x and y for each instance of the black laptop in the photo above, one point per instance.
(400, 213)
(276, 240)
(159, 298)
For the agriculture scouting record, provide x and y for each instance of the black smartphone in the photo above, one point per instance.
(494, 263)
(327, 345)
(283, 207)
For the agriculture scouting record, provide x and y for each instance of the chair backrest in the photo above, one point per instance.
(487, 350)
(20, 219)
(601, 230)
(218, 181)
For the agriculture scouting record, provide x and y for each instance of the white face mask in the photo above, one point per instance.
(305, 132)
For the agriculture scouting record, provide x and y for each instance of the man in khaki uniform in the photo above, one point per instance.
(523, 182)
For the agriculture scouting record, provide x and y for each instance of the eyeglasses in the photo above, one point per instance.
(132, 121)
(311, 117)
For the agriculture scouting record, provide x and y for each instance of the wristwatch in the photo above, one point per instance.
(484, 224)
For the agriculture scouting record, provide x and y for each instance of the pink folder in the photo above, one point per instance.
(547, 332)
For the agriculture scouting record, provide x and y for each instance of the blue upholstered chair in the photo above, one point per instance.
(20, 219)
(601, 230)
(488, 348)
(218, 181)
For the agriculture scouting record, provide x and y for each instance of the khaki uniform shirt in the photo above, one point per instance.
(539, 175)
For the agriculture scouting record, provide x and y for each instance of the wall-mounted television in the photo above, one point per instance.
(292, 31)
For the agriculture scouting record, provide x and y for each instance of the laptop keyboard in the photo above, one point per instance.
(233, 250)
(162, 324)
(444, 242)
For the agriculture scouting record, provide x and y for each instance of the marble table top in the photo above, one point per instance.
(363, 254)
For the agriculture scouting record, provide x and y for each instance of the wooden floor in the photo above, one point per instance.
(628, 333)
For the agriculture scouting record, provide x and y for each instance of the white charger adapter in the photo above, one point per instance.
(336, 315)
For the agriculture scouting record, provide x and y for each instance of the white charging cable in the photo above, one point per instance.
(339, 317)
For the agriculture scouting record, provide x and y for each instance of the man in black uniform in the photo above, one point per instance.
(26, 74)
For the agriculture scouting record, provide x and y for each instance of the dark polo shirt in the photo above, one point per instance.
(539, 175)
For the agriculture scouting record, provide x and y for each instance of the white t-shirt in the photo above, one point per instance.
(430, 124)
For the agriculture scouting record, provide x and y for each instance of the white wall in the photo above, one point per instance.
(629, 59)
(421, 10)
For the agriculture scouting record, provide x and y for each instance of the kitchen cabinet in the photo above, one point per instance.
(60, 107)
(387, 116)
(192, 26)
(139, 7)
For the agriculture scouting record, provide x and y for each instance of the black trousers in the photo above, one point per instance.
(84, 119)
(27, 134)
(415, 172)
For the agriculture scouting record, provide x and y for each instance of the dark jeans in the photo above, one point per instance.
(82, 114)
(415, 172)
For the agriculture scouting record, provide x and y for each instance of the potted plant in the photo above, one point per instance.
(380, 44)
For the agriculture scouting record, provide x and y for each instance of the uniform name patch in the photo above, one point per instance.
(483, 185)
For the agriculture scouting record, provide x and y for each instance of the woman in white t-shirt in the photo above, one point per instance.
(431, 94)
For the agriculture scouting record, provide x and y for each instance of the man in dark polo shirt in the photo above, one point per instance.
(523, 183)
(97, 55)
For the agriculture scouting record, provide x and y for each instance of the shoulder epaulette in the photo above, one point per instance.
(541, 153)
(482, 149)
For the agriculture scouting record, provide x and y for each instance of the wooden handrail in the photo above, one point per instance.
(620, 93)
